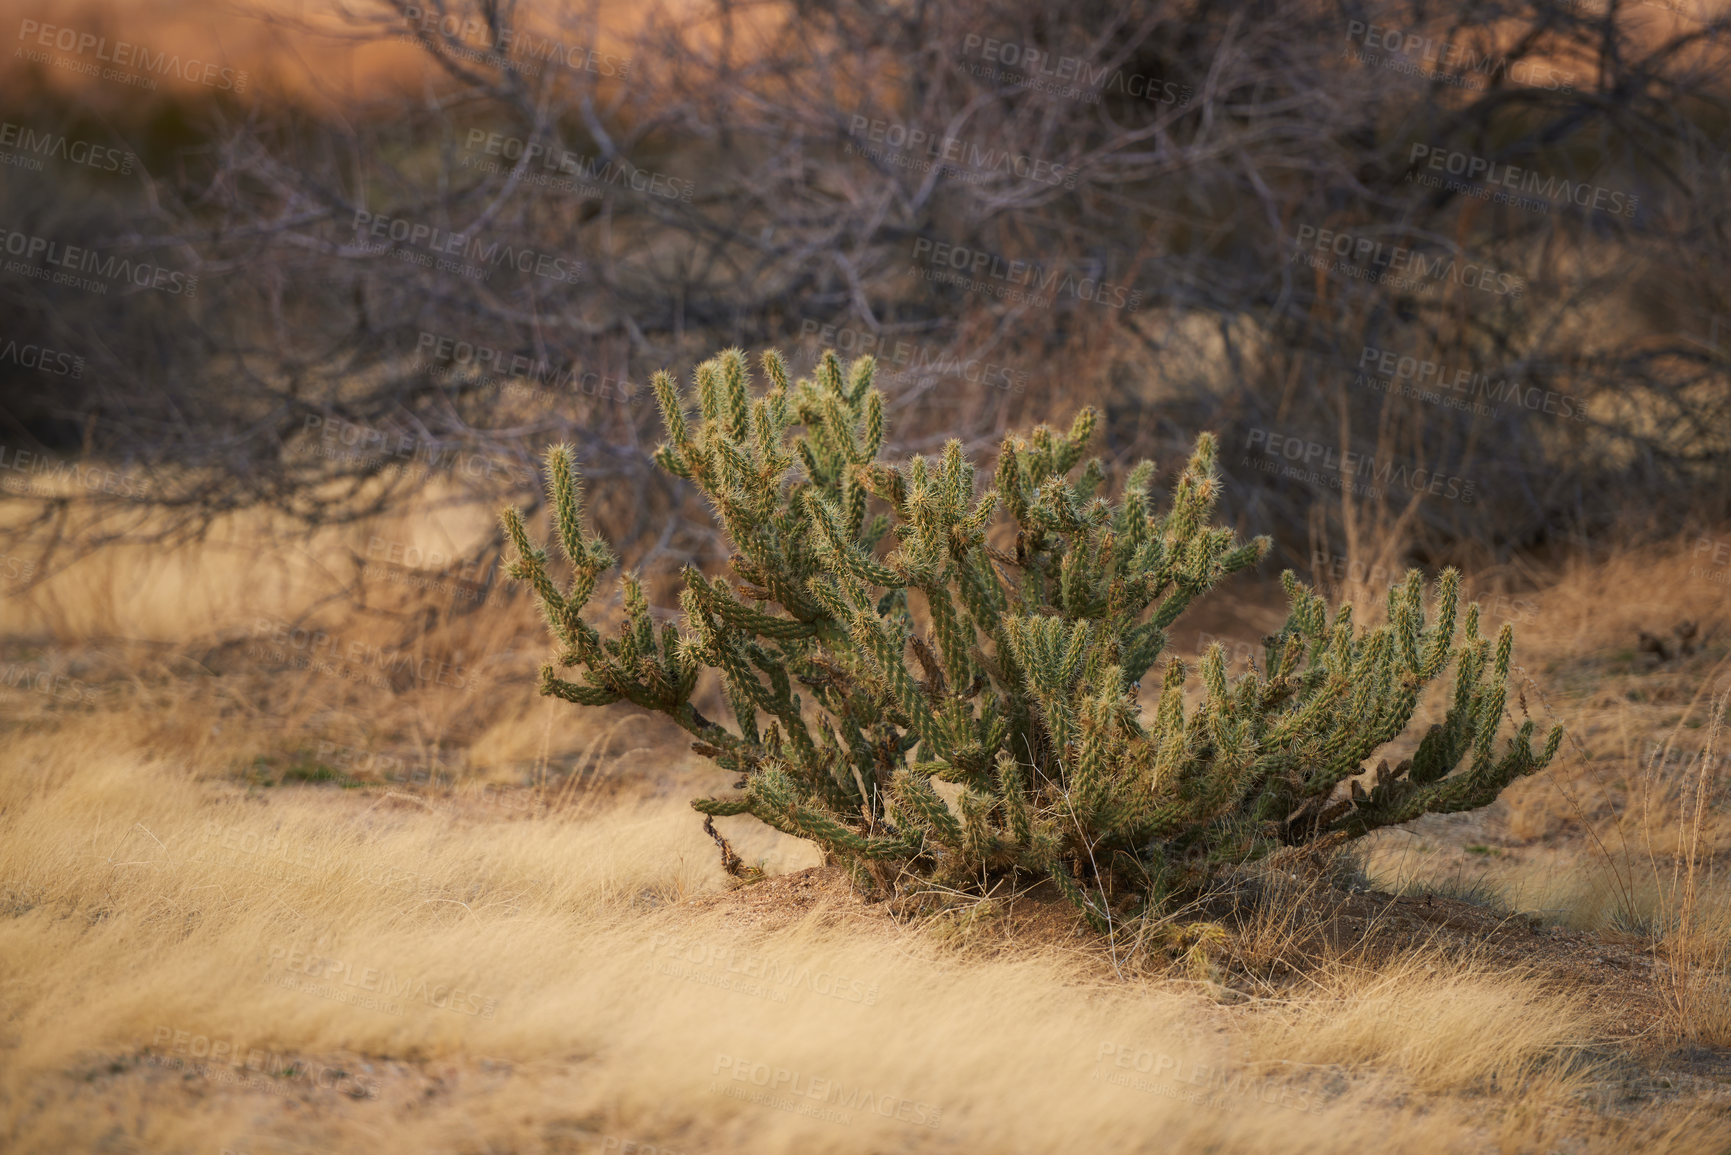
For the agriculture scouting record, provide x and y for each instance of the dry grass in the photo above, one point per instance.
(142, 903)
(188, 941)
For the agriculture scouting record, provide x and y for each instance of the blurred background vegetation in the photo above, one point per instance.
(676, 178)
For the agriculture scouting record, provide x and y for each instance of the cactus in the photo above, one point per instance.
(941, 685)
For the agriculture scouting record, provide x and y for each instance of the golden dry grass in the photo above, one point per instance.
(142, 904)
(197, 954)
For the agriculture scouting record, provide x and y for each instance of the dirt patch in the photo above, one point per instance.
(782, 900)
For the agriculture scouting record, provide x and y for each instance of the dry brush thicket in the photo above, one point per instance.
(1147, 202)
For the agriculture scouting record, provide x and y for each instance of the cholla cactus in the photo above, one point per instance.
(1002, 657)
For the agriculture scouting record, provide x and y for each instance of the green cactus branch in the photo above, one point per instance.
(943, 680)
